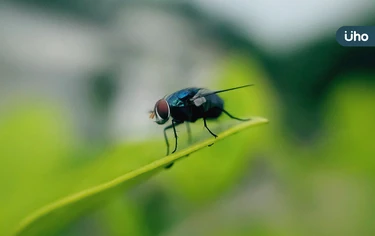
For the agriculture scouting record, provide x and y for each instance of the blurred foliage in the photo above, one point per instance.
(40, 169)
(321, 188)
(317, 148)
(62, 211)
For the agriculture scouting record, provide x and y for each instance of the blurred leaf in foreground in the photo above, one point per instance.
(62, 211)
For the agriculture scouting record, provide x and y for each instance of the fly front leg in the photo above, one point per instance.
(175, 135)
(173, 125)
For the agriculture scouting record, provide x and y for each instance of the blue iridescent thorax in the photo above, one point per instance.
(181, 97)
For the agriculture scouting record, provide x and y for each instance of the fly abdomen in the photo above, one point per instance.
(214, 112)
(213, 106)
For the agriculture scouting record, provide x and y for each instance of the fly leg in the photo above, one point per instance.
(175, 136)
(173, 125)
(233, 117)
(205, 125)
(189, 133)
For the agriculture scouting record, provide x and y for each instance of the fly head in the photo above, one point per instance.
(161, 112)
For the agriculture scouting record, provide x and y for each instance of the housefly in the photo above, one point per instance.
(188, 105)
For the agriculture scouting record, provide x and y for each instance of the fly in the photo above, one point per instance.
(188, 105)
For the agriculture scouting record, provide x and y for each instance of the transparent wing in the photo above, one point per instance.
(200, 97)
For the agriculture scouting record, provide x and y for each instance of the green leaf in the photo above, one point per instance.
(64, 210)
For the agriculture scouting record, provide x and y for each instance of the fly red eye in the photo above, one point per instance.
(162, 109)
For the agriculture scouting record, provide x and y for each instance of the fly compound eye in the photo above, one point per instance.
(162, 111)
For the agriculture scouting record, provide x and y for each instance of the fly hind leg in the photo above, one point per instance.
(233, 117)
(205, 125)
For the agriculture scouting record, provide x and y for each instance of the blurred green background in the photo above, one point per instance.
(78, 79)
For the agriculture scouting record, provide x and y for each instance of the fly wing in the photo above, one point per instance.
(199, 98)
